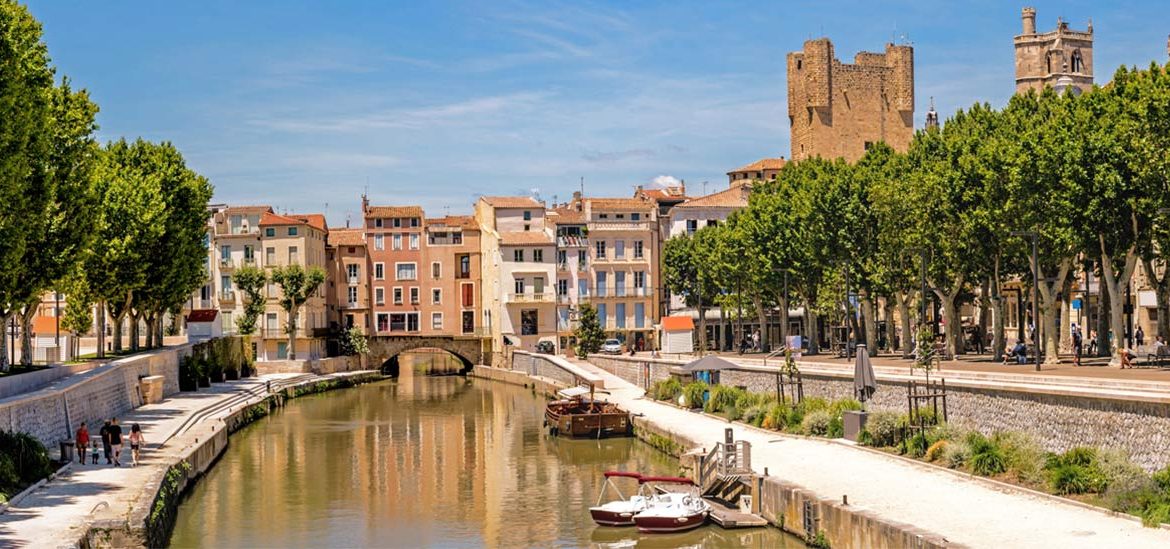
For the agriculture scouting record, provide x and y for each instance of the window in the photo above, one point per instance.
(582, 288)
(868, 145)
(436, 321)
(527, 215)
(348, 321)
(225, 253)
(468, 322)
(412, 322)
(1077, 62)
(562, 287)
(639, 315)
(712, 222)
(619, 249)
(538, 285)
(414, 241)
(581, 261)
(351, 272)
(397, 222)
(249, 254)
(414, 296)
(538, 256)
(619, 284)
(457, 238)
(383, 322)
(638, 249)
(270, 232)
(468, 291)
(294, 255)
(527, 227)
(619, 315)
(600, 248)
(518, 255)
(379, 296)
(414, 222)
(398, 296)
(397, 243)
(397, 322)
(378, 223)
(292, 231)
(436, 296)
(562, 257)
(529, 322)
(518, 285)
(602, 318)
(620, 216)
(351, 296)
(600, 288)
(602, 216)
(379, 242)
(640, 279)
(465, 266)
(635, 217)
(436, 270)
(692, 226)
(379, 271)
(405, 271)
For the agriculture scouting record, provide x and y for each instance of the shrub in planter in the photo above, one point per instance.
(836, 427)
(1023, 456)
(693, 394)
(956, 454)
(776, 418)
(188, 373)
(839, 407)
(667, 389)
(816, 423)
(936, 450)
(722, 397)
(28, 460)
(987, 458)
(1075, 472)
(881, 429)
(755, 415)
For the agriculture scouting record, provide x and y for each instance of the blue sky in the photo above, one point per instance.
(303, 104)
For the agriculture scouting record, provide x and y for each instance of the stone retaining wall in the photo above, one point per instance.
(1058, 421)
(555, 368)
(52, 414)
(319, 366)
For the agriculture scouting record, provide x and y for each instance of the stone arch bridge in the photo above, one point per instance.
(384, 350)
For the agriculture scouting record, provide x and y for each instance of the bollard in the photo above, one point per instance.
(845, 499)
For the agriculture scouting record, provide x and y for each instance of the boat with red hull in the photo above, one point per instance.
(671, 510)
(621, 511)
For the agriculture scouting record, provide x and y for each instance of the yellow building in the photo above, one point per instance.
(293, 240)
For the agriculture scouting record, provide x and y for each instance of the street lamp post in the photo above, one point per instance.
(1035, 288)
(848, 310)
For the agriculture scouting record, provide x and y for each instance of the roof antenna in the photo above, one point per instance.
(582, 185)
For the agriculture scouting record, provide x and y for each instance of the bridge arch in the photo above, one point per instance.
(384, 350)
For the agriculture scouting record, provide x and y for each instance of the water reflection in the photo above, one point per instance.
(420, 462)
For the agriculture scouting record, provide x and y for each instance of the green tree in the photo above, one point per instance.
(682, 276)
(589, 334)
(26, 104)
(354, 342)
(297, 284)
(250, 280)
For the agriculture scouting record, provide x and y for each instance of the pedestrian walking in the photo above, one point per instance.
(1076, 337)
(756, 341)
(82, 443)
(1140, 336)
(116, 441)
(106, 449)
(136, 442)
(93, 458)
(1093, 343)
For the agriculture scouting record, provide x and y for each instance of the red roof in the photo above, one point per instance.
(44, 325)
(202, 315)
(317, 221)
(673, 323)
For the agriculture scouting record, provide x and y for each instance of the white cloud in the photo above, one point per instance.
(663, 181)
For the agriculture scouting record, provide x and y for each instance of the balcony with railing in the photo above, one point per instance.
(604, 225)
(226, 264)
(531, 297)
(227, 296)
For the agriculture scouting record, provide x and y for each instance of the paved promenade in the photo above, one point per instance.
(55, 514)
(963, 509)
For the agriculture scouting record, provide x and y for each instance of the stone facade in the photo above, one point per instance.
(1058, 420)
(1044, 58)
(838, 110)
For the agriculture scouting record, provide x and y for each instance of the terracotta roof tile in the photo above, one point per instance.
(317, 221)
(346, 237)
(522, 238)
(760, 165)
(610, 204)
(735, 197)
(246, 209)
(659, 195)
(566, 216)
(394, 211)
(511, 201)
(465, 222)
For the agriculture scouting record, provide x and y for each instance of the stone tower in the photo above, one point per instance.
(839, 110)
(1042, 59)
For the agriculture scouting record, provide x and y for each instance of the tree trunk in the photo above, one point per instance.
(101, 335)
(26, 322)
(905, 323)
(998, 326)
(869, 326)
(762, 314)
(159, 330)
(1162, 292)
(4, 363)
(292, 332)
(783, 319)
(118, 332)
(702, 330)
(150, 331)
(950, 314)
(813, 339)
(1117, 284)
(135, 316)
(1102, 320)
(1049, 304)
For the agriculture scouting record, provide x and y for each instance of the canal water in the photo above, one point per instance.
(422, 461)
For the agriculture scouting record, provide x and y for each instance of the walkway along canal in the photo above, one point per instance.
(422, 462)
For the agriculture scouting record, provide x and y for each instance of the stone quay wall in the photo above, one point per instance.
(1059, 419)
(53, 413)
(555, 368)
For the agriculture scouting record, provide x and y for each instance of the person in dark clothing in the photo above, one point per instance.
(105, 433)
(116, 441)
(1140, 336)
(1077, 345)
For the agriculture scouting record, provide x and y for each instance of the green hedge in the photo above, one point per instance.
(23, 462)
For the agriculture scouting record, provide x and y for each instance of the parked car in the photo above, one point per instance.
(545, 347)
(612, 347)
